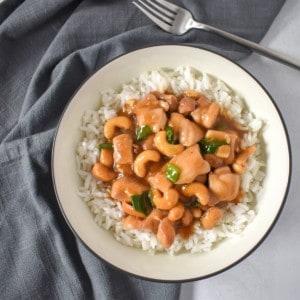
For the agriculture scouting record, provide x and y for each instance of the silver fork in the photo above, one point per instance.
(177, 20)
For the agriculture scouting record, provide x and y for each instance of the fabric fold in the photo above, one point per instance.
(47, 50)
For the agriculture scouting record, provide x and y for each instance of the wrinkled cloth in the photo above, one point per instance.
(47, 49)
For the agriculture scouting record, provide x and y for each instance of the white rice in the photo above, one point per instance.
(108, 212)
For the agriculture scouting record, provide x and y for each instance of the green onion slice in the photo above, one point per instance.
(170, 135)
(143, 202)
(150, 197)
(172, 172)
(210, 145)
(143, 132)
(107, 146)
(138, 203)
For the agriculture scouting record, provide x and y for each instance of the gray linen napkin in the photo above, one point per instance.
(47, 49)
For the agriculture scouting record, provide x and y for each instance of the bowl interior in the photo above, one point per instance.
(163, 267)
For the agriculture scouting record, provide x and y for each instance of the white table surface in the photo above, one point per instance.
(273, 270)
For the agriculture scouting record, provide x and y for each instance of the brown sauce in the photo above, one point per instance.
(186, 231)
(222, 122)
(225, 123)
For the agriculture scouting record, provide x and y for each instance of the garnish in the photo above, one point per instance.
(210, 145)
(172, 172)
(170, 135)
(143, 132)
(142, 202)
(107, 146)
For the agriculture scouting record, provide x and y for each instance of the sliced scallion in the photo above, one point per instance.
(142, 202)
(170, 135)
(138, 203)
(143, 132)
(210, 145)
(107, 146)
(172, 172)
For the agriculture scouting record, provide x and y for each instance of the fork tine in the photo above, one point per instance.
(155, 12)
(168, 5)
(153, 16)
(161, 9)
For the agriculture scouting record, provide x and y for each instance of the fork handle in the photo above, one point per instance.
(295, 63)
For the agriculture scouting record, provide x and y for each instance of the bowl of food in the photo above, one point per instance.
(171, 158)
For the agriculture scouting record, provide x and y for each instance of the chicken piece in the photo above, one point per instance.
(155, 118)
(122, 189)
(122, 145)
(207, 114)
(159, 181)
(230, 138)
(224, 184)
(188, 132)
(172, 101)
(106, 157)
(191, 164)
(149, 101)
(124, 169)
(149, 111)
(193, 94)
(153, 219)
(102, 172)
(186, 105)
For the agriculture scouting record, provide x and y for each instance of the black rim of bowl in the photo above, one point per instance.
(247, 253)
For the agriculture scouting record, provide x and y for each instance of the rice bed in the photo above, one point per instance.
(108, 212)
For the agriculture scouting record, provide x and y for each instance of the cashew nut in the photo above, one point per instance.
(196, 212)
(139, 165)
(128, 208)
(153, 219)
(187, 218)
(122, 189)
(239, 166)
(116, 122)
(199, 190)
(102, 172)
(161, 143)
(176, 212)
(166, 233)
(211, 217)
(167, 201)
(132, 222)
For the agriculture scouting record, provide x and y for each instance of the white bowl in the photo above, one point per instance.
(163, 267)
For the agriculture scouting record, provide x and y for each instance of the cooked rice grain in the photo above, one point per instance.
(108, 212)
